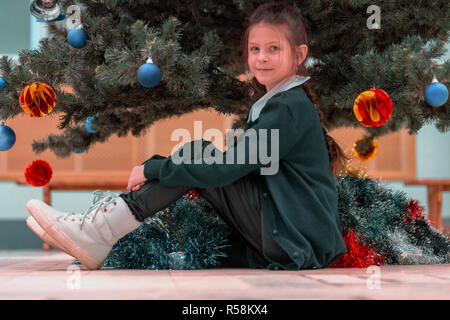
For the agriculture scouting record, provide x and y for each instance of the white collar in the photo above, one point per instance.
(287, 84)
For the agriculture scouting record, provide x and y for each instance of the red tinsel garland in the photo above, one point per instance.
(358, 255)
(415, 211)
(193, 194)
(39, 173)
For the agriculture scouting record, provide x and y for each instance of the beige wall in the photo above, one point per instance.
(395, 159)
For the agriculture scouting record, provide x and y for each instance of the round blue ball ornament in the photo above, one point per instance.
(77, 38)
(7, 137)
(88, 124)
(2, 83)
(436, 94)
(149, 75)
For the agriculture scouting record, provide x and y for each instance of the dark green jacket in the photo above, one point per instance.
(299, 204)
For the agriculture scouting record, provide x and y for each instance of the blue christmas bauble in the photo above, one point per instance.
(78, 150)
(149, 75)
(77, 38)
(2, 83)
(7, 138)
(436, 94)
(88, 124)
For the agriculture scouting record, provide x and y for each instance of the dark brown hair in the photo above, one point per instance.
(290, 19)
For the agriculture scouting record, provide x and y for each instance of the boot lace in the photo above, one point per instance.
(101, 200)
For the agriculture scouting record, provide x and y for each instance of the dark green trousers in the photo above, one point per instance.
(237, 204)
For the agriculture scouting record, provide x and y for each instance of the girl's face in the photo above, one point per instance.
(270, 56)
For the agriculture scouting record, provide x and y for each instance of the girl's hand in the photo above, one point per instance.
(137, 187)
(136, 179)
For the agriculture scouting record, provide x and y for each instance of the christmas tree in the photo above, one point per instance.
(353, 46)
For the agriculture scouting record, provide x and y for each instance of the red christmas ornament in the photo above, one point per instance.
(358, 255)
(193, 194)
(415, 211)
(373, 107)
(39, 173)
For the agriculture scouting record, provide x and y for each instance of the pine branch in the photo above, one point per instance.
(197, 48)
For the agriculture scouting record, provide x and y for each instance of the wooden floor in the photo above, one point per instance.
(40, 275)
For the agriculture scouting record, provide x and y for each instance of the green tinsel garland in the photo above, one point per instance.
(191, 228)
(188, 226)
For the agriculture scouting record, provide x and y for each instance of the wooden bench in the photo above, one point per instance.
(435, 187)
(119, 181)
(80, 182)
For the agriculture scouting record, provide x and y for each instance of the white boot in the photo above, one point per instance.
(41, 233)
(36, 228)
(87, 236)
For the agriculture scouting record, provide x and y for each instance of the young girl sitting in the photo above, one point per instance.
(286, 219)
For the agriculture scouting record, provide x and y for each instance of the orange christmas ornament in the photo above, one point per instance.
(37, 99)
(365, 149)
(373, 107)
